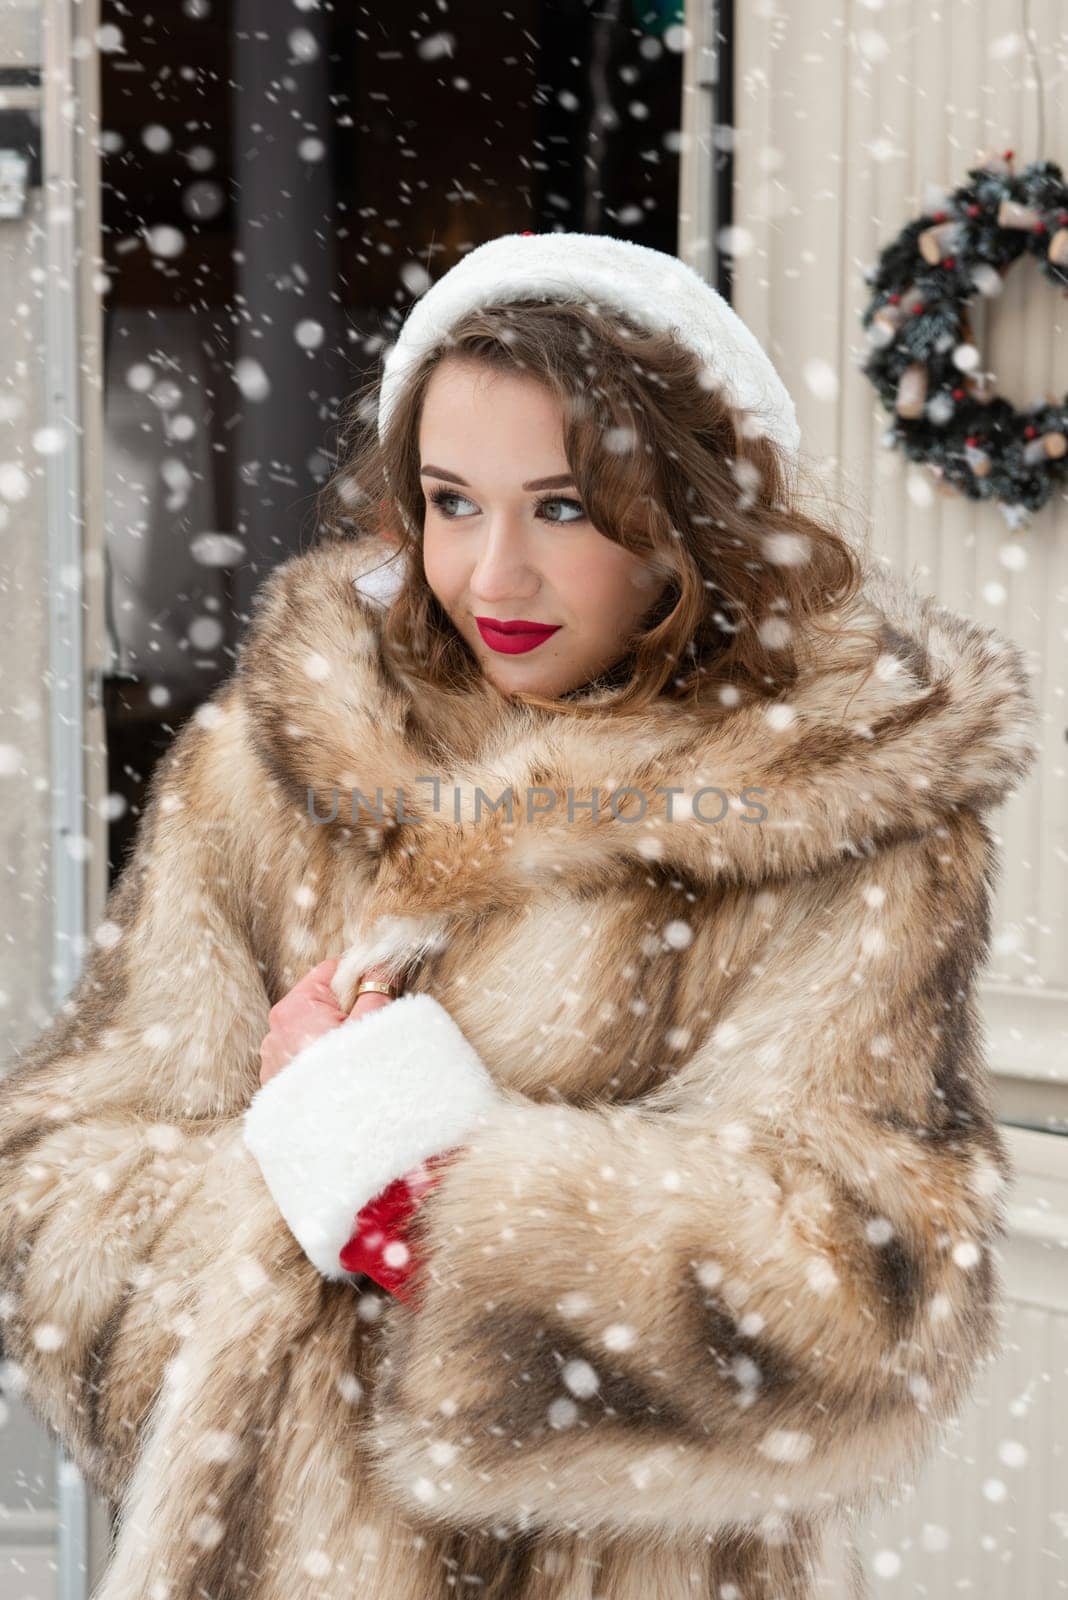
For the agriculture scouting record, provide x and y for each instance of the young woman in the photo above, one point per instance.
(646, 1229)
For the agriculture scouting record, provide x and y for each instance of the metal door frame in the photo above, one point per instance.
(74, 404)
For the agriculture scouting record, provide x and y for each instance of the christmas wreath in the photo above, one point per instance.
(923, 360)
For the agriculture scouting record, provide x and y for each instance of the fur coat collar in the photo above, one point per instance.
(717, 1255)
(907, 713)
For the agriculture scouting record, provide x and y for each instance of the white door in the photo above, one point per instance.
(53, 1534)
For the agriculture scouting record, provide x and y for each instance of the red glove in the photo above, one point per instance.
(377, 1245)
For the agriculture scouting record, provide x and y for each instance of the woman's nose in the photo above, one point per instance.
(503, 568)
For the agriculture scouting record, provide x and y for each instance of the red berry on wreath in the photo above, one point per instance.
(958, 394)
(974, 210)
(948, 262)
(972, 440)
(1030, 431)
(1040, 227)
(939, 216)
(894, 299)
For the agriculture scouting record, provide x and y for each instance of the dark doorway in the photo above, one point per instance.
(279, 184)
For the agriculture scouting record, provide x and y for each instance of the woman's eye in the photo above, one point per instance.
(558, 500)
(440, 496)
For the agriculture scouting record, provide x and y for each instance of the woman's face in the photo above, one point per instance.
(506, 540)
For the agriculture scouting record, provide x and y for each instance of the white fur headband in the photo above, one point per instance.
(657, 290)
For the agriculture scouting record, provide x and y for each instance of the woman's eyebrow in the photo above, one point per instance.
(561, 481)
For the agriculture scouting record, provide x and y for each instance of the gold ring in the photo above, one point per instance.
(371, 986)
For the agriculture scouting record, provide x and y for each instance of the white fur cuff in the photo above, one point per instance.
(360, 1106)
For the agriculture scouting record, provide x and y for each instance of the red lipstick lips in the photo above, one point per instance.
(513, 638)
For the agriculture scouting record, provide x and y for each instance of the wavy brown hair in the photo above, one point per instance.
(663, 464)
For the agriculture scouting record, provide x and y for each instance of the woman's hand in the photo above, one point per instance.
(309, 1009)
(378, 1247)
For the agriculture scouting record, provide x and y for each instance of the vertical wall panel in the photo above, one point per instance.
(853, 111)
(849, 115)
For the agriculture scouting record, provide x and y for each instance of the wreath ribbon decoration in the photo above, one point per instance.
(923, 359)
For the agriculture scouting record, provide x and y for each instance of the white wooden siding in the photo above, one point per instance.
(847, 114)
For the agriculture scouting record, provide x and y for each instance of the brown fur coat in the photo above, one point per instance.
(722, 1254)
